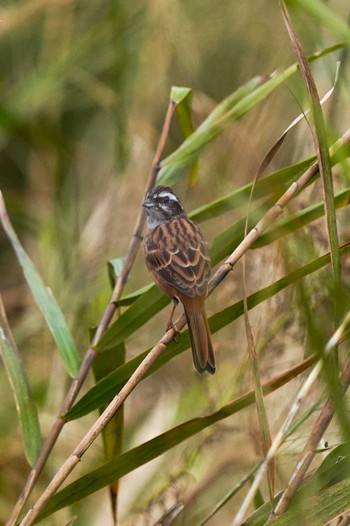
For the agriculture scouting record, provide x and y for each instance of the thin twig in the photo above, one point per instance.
(153, 355)
(101, 329)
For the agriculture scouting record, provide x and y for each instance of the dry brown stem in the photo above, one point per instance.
(101, 329)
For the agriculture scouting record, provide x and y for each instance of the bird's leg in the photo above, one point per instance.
(171, 324)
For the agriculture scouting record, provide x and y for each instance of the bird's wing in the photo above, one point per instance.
(177, 254)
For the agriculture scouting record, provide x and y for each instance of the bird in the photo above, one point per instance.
(176, 255)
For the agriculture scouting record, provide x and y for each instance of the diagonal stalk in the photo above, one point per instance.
(102, 327)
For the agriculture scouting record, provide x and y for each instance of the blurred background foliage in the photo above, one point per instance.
(84, 88)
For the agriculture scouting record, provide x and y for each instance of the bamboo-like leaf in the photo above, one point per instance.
(161, 444)
(218, 120)
(115, 266)
(142, 310)
(44, 299)
(179, 94)
(182, 97)
(105, 390)
(228, 111)
(133, 296)
(25, 405)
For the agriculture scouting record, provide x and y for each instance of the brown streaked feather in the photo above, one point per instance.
(177, 256)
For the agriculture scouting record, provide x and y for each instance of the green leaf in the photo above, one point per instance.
(44, 299)
(183, 98)
(142, 310)
(104, 391)
(115, 266)
(226, 113)
(179, 94)
(146, 452)
(133, 296)
(25, 405)
(189, 150)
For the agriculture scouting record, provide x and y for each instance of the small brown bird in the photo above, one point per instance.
(177, 257)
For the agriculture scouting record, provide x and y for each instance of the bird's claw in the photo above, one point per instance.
(171, 325)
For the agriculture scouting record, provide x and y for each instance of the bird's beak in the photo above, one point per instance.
(147, 203)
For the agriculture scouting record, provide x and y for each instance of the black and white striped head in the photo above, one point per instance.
(161, 205)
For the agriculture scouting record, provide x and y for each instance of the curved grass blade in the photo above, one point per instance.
(105, 390)
(25, 405)
(228, 111)
(161, 444)
(44, 299)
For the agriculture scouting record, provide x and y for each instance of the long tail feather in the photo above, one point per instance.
(202, 347)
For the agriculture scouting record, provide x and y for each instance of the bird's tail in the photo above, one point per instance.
(202, 347)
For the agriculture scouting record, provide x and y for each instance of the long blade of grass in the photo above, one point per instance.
(104, 390)
(322, 149)
(25, 404)
(159, 445)
(44, 299)
(183, 97)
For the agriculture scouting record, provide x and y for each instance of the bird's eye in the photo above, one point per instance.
(166, 199)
